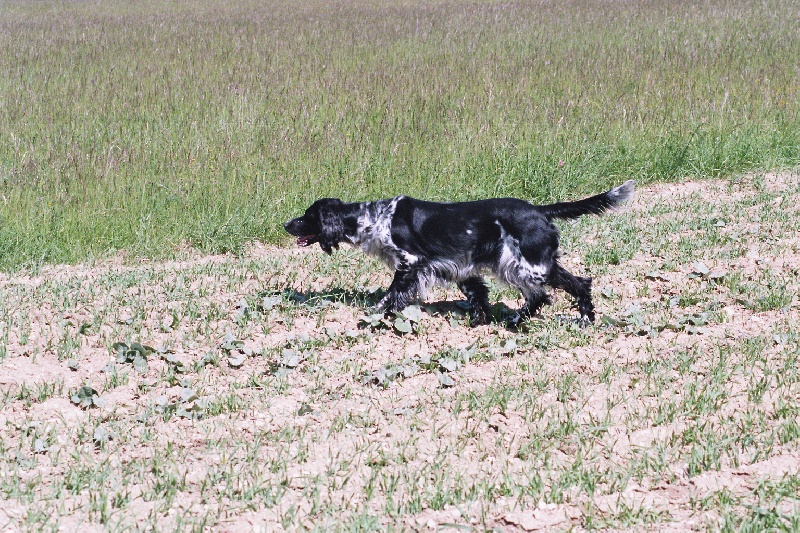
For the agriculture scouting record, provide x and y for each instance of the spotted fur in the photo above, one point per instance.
(429, 242)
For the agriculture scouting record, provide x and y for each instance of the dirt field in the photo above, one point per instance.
(253, 393)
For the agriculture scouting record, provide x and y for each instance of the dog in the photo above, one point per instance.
(428, 242)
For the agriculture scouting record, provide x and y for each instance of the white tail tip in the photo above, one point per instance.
(622, 193)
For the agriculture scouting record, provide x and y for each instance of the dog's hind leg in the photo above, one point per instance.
(579, 288)
(477, 293)
(535, 299)
(402, 291)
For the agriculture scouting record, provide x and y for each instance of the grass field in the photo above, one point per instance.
(150, 126)
(270, 401)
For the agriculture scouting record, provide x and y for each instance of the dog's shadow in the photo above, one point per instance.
(367, 300)
(353, 298)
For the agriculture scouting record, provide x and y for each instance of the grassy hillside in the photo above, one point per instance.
(148, 125)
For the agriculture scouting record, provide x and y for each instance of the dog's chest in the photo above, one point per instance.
(375, 234)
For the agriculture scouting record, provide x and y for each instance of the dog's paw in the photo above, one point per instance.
(379, 310)
(478, 318)
(514, 321)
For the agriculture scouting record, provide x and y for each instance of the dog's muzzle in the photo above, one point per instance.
(293, 227)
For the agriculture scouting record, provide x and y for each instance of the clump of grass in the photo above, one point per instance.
(147, 126)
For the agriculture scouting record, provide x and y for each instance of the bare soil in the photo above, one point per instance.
(317, 445)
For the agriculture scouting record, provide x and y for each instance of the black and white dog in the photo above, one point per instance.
(426, 242)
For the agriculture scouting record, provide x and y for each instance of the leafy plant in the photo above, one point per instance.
(101, 435)
(387, 374)
(235, 350)
(442, 364)
(634, 322)
(210, 358)
(136, 354)
(168, 356)
(405, 321)
(287, 361)
(86, 397)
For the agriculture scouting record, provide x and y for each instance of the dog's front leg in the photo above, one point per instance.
(579, 288)
(404, 288)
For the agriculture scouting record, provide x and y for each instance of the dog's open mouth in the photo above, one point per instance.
(306, 240)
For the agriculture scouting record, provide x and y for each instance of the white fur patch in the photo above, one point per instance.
(446, 270)
(374, 233)
(512, 266)
(621, 193)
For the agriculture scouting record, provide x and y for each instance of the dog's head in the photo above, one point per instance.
(322, 223)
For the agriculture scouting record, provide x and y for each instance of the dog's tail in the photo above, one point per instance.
(593, 205)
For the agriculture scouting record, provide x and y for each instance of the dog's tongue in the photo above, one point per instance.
(304, 240)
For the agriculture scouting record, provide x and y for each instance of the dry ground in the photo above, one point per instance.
(268, 402)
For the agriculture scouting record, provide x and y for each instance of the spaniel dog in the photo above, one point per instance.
(428, 242)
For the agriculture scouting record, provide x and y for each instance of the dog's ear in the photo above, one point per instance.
(331, 224)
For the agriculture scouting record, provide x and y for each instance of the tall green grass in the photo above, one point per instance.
(151, 124)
